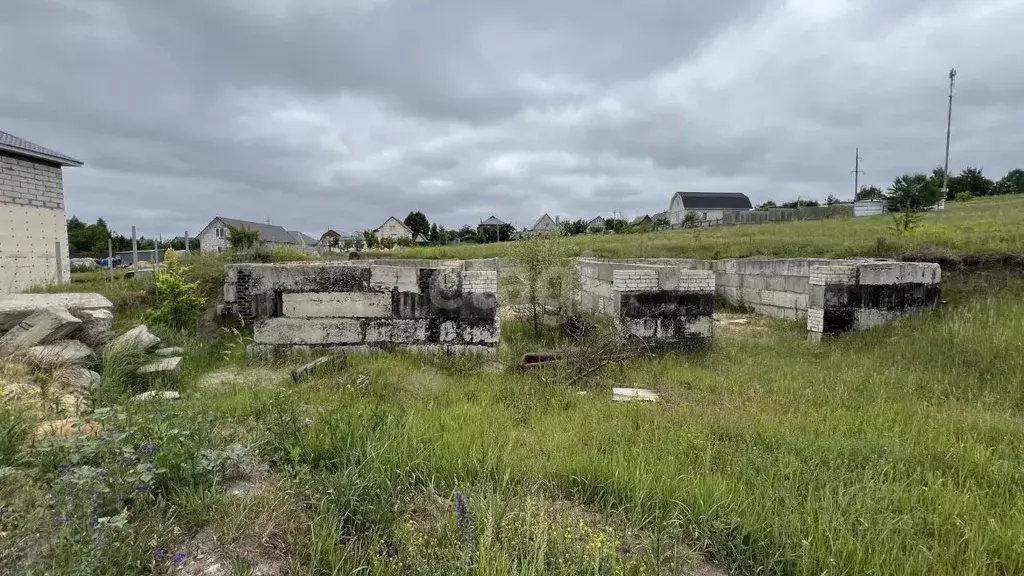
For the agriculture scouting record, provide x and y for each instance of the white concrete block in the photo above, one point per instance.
(336, 305)
(169, 366)
(137, 338)
(59, 353)
(696, 281)
(16, 307)
(889, 273)
(401, 278)
(635, 280)
(309, 331)
(479, 282)
(230, 293)
(816, 319)
(822, 275)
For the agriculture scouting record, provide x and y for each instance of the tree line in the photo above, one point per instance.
(91, 239)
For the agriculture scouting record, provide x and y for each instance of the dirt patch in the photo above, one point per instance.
(737, 323)
(255, 555)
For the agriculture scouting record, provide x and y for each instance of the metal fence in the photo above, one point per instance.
(788, 214)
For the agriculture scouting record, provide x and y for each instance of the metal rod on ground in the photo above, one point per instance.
(110, 258)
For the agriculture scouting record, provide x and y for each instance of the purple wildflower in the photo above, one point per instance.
(93, 523)
(63, 468)
(179, 559)
(148, 467)
(140, 488)
(102, 474)
(160, 554)
(150, 448)
(76, 540)
(465, 518)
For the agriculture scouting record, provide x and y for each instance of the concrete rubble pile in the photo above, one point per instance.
(65, 334)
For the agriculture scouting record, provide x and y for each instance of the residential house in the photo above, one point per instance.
(596, 225)
(303, 240)
(641, 220)
(393, 228)
(544, 226)
(708, 206)
(660, 219)
(214, 237)
(33, 226)
(330, 239)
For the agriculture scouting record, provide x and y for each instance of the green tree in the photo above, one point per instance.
(574, 227)
(616, 225)
(913, 193)
(971, 180)
(242, 237)
(801, 204)
(370, 239)
(832, 200)
(1012, 183)
(766, 205)
(870, 193)
(178, 302)
(544, 278)
(417, 222)
(496, 233)
(435, 235)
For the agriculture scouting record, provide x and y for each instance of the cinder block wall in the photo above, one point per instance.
(663, 303)
(365, 305)
(31, 224)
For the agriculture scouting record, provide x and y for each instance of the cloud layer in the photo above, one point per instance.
(317, 113)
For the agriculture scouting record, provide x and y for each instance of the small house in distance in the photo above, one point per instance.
(393, 228)
(544, 226)
(708, 206)
(214, 237)
(596, 225)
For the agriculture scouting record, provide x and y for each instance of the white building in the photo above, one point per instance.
(544, 226)
(33, 228)
(708, 206)
(214, 237)
(393, 228)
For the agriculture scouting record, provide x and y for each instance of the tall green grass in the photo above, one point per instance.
(892, 451)
(983, 226)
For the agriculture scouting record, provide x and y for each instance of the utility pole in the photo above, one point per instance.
(856, 173)
(949, 123)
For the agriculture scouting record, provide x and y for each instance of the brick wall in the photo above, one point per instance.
(365, 305)
(32, 225)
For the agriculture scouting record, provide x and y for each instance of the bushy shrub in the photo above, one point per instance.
(544, 279)
(178, 301)
(963, 197)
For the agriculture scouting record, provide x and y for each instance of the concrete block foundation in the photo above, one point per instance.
(361, 305)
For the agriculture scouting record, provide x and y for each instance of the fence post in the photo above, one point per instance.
(60, 263)
(135, 250)
(110, 258)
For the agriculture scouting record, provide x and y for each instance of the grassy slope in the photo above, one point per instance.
(856, 456)
(982, 226)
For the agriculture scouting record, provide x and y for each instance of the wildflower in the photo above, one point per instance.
(102, 474)
(76, 540)
(93, 523)
(140, 488)
(179, 559)
(160, 554)
(148, 467)
(149, 448)
(63, 468)
(96, 495)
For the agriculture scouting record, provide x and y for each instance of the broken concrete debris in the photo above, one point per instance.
(59, 353)
(167, 352)
(157, 395)
(163, 366)
(97, 326)
(334, 360)
(41, 327)
(78, 378)
(137, 339)
(628, 394)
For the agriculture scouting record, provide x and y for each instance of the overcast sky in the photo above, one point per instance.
(339, 113)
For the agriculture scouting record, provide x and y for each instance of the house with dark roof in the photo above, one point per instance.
(33, 233)
(214, 237)
(708, 206)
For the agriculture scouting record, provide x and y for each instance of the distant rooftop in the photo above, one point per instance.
(13, 144)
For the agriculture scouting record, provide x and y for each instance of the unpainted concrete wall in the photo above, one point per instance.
(365, 304)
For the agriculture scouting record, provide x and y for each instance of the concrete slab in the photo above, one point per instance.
(336, 305)
(59, 353)
(168, 352)
(97, 326)
(138, 338)
(41, 327)
(170, 366)
(158, 395)
(629, 394)
(313, 331)
(16, 307)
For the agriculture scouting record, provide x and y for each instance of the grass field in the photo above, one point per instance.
(893, 451)
(982, 226)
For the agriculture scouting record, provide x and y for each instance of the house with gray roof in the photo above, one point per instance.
(214, 237)
(708, 206)
(33, 226)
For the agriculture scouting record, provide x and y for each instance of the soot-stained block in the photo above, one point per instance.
(666, 304)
